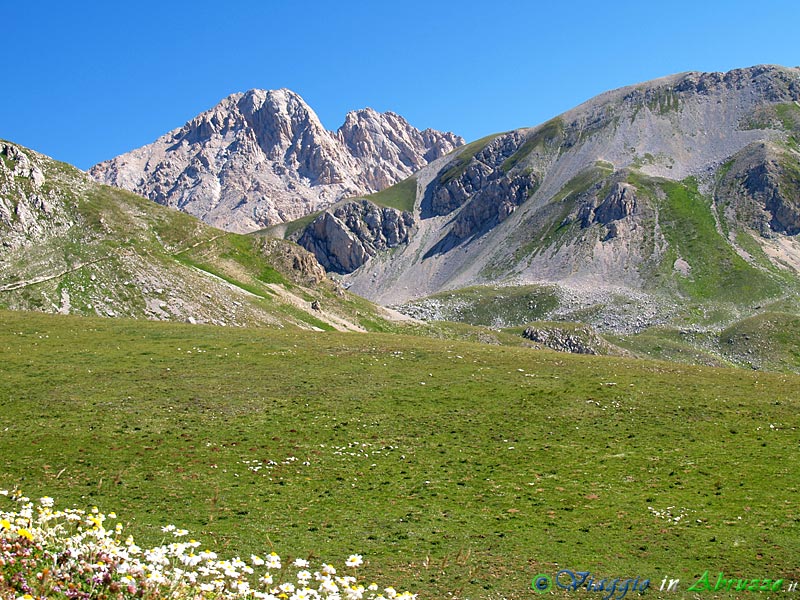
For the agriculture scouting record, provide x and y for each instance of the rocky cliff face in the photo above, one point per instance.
(619, 203)
(345, 237)
(263, 157)
(30, 209)
(480, 189)
(388, 149)
(762, 186)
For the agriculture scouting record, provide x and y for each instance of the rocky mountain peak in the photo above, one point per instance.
(400, 148)
(263, 157)
(279, 116)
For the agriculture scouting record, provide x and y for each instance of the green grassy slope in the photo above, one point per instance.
(769, 340)
(488, 305)
(456, 468)
(122, 255)
(717, 271)
(401, 195)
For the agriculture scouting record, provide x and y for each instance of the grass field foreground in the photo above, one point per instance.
(456, 469)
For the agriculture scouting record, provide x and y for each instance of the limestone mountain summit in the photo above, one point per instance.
(263, 157)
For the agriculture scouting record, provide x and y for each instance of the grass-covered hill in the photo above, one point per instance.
(457, 469)
(73, 246)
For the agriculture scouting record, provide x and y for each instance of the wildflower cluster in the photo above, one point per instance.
(256, 465)
(361, 450)
(47, 553)
(671, 513)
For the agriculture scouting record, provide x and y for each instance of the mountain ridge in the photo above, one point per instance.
(630, 194)
(263, 157)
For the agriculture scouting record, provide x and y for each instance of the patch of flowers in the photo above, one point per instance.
(671, 513)
(256, 465)
(361, 450)
(48, 553)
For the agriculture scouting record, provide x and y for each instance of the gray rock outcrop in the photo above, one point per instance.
(764, 180)
(618, 204)
(581, 340)
(484, 172)
(345, 237)
(29, 210)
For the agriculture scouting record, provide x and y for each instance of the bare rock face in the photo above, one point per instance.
(620, 203)
(459, 183)
(344, 238)
(481, 189)
(764, 181)
(771, 84)
(263, 157)
(389, 148)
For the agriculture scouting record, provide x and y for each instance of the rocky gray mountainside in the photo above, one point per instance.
(74, 246)
(641, 201)
(263, 157)
(762, 186)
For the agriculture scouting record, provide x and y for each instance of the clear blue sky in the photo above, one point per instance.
(86, 81)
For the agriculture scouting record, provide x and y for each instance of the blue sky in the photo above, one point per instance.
(86, 81)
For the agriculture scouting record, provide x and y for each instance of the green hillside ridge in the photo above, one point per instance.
(401, 195)
(687, 222)
(117, 254)
(456, 469)
(492, 306)
(769, 340)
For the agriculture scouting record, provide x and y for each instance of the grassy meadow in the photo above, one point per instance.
(457, 469)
